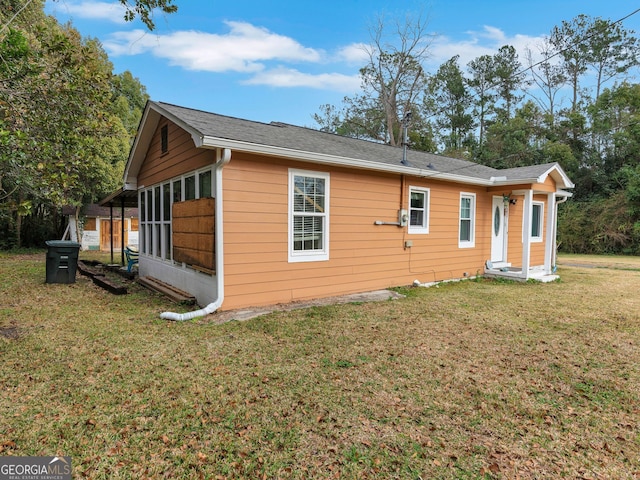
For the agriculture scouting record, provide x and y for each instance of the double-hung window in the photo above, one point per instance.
(466, 236)
(537, 210)
(418, 210)
(308, 216)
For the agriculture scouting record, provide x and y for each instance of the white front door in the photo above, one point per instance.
(498, 230)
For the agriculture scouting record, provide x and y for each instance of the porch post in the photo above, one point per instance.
(526, 233)
(550, 241)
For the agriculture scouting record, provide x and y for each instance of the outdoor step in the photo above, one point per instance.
(175, 294)
(498, 265)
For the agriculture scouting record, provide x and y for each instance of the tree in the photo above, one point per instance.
(448, 92)
(548, 77)
(567, 39)
(393, 83)
(611, 51)
(394, 72)
(509, 80)
(517, 141)
(482, 83)
(129, 99)
(67, 145)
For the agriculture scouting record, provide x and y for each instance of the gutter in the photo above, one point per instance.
(212, 307)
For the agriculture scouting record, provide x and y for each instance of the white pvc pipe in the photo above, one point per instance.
(181, 317)
(212, 307)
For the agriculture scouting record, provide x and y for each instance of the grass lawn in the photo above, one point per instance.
(470, 380)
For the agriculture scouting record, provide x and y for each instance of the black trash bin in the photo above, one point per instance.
(62, 261)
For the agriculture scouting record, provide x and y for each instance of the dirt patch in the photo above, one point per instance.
(12, 332)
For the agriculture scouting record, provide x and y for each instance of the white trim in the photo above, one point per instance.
(427, 207)
(526, 231)
(551, 233)
(308, 255)
(471, 243)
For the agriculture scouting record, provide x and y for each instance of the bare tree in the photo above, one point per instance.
(394, 73)
(549, 77)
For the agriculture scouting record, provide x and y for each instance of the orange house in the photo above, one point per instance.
(241, 213)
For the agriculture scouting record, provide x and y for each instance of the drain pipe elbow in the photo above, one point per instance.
(182, 317)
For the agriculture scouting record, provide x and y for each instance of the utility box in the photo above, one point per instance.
(62, 261)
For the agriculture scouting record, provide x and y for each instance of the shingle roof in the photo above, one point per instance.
(301, 139)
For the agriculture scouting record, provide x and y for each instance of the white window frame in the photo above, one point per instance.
(472, 221)
(424, 228)
(540, 237)
(308, 255)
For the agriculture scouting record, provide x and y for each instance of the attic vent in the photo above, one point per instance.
(278, 124)
(164, 138)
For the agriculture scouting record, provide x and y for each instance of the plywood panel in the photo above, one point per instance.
(193, 232)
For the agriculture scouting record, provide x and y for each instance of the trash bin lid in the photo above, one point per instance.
(62, 243)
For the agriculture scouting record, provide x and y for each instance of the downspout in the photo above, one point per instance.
(555, 235)
(212, 307)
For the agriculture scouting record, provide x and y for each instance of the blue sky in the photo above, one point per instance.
(279, 60)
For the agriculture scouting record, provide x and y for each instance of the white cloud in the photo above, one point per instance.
(356, 53)
(110, 11)
(244, 48)
(286, 77)
(485, 42)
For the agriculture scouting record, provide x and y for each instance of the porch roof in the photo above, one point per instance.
(123, 197)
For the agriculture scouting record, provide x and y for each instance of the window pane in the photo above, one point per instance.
(190, 188)
(149, 206)
(417, 218)
(156, 203)
(308, 233)
(166, 199)
(535, 222)
(142, 206)
(177, 191)
(156, 241)
(141, 241)
(465, 207)
(205, 184)
(150, 239)
(465, 230)
(308, 194)
(167, 238)
(417, 200)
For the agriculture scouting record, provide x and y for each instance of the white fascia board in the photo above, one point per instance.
(559, 175)
(300, 155)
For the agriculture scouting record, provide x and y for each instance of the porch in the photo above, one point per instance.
(505, 270)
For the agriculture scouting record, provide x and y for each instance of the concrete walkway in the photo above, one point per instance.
(248, 313)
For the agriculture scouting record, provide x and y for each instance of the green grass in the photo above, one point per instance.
(472, 380)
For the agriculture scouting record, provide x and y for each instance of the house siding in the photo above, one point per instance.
(362, 256)
(182, 156)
